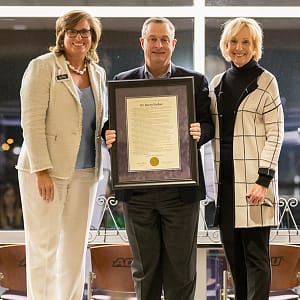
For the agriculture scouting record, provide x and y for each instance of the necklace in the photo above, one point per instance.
(80, 72)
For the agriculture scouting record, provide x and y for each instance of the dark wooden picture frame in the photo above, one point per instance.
(119, 92)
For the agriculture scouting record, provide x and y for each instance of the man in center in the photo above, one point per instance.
(162, 222)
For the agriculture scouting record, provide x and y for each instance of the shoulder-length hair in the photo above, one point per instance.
(232, 28)
(69, 21)
(18, 218)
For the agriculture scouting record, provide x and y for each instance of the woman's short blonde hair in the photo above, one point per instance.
(69, 21)
(233, 27)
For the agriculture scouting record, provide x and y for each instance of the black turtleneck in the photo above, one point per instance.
(235, 82)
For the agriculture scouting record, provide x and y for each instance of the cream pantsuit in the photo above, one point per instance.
(68, 215)
(56, 232)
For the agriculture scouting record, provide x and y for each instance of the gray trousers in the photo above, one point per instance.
(162, 232)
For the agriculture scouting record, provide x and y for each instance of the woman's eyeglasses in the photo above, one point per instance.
(84, 33)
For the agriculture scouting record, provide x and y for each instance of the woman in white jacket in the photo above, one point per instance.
(248, 118)
(62, 96)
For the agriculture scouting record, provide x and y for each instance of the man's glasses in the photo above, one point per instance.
(84, 33)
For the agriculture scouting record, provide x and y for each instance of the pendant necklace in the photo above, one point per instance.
(80, 72)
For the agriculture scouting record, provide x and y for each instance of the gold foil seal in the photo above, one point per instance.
(154, 161)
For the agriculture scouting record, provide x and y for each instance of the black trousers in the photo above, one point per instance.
(162, 232)
(246, 249)
(247, 253)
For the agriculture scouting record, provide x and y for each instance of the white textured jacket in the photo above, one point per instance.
(51, 116)
(258, 136)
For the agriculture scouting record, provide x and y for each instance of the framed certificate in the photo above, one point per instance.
(152, 120)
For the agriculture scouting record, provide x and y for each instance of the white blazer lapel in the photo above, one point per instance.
(95, 80)
(63, 75)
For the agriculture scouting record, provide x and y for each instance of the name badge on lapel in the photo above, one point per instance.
(62, 77)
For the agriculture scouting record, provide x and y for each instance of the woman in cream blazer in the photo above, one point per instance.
(52, 127)
(62, 96)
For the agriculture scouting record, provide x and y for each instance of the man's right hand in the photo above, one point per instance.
(110, 137)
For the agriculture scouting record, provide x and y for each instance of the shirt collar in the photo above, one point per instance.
(148, 75)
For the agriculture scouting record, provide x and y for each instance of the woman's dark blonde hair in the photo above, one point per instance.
(69, 21)
(232, 28)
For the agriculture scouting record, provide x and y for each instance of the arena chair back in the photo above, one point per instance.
(285, 261)
(111, 276)
(13, 271)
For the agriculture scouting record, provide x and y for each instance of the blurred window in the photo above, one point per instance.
(198, 31)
